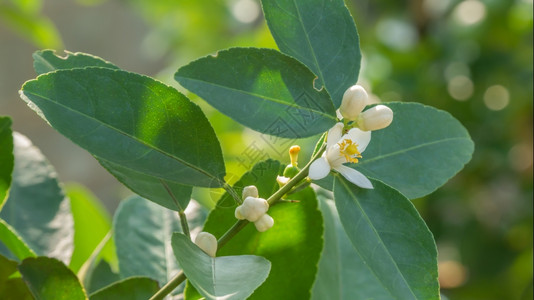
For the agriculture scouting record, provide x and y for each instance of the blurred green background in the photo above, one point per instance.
(472, 58)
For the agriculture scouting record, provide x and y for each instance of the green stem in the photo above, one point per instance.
(230, 190)
(180, 277)
(185, 226)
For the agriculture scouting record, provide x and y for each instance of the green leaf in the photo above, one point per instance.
(263, 89)
(50, 279)
(132, 121)
(293, 245)
(13, 242)
(101, 276)
(390, 237)
(36, 207)
(227, 277)
(6, 157)
(45, 61)
(7, 267)
(133, 288)
(142, 239)
(419, 152)
(322, 35)
(11, 288)
(91, 224)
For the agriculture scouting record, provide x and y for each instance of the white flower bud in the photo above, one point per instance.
(376, 117)
(253, 208)
(264, 223)
(353, 102)
(282, 180)
(207, 242)
(238, 214)
(250, 191)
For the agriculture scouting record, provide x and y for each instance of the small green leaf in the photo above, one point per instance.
(263, 89)
(101, 276)
(13, 242)
(50, 279)
(91, 224)
(6, 157)
(322, 35)
(142, 239)
(45, 61)
(227, 277)
(390, 237)
(133, 288)
(36, 207)
(132, 121)
(293, 245)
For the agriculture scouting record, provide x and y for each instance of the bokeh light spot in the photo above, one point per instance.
(470, 12)
(496, 97)
(246, 11)
(460, 87)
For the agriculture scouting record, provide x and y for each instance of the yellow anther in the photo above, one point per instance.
(294, 154)
(349, 150)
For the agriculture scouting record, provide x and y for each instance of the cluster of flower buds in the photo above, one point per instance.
(254, 209)
(207, 242)
(352, 105)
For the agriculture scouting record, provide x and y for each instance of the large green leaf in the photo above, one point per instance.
(421, 150)
(293, 245)
(91, 224)
(6, 157)
(36, 207)
(390, 237)
(101, 276)
(142, 239)
(227, 277)
(133, 288)
(322, 35)
(262, 89)
(13, 243)
(132, 121)
(45, 61)
(50, 279)
(11, 287)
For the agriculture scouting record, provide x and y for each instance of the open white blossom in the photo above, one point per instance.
(342, 149)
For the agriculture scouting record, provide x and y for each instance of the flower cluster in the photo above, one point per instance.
(254, 209)
(348, 147)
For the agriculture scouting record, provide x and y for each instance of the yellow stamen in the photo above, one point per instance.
(349, 150)
(294, 155)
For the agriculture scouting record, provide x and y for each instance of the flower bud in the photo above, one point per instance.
(376, 117)
(238, 214)
(264, 223)
(252, 208)
(353, 102)
(207, 242)
(282, 180)
(294, 155)
(250, 191)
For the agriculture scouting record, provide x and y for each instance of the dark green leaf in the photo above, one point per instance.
(45, 61)
(91, 224)
(293, 245)
(390, 237)
(7, 267)
(13, 242)
(262, 89)
(322, 35)
(6, 157)
(227, 277)
(132, 121)
(11, 288)
(36, 207)
(133, 288)
(101, 276)
(50, 279)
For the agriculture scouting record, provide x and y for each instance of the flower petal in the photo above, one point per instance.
(354, 176)
(362, 138)
(319, 169)
(334, 135)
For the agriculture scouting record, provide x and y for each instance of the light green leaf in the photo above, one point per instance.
(142, 239)
(91, 224)
(263, 89)
(293, 245)
(322, 35)
(133, 288)
(49, 279)
(6, 157)
(227, 277)
(130, 120)
(390, 237)
(45, 61)
(36, 207)
(13, 242)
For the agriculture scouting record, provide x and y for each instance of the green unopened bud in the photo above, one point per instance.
(207, 242)
(290, 171)
(264, 223)
(375, 118)
(353, 102)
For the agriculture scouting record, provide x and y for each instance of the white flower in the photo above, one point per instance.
(207, 242)
(375, 118)
(264, 223)
(342, 149)
(252, 209)
(353, 102)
